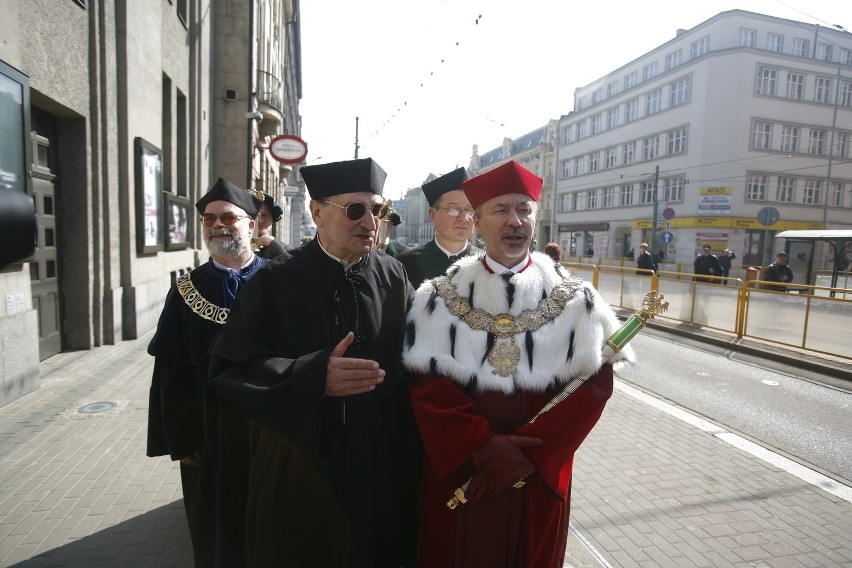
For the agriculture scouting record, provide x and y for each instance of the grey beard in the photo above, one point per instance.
(231, 248)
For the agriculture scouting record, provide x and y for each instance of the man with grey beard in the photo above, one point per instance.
(184, 415)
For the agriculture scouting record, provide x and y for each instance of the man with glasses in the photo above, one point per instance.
(489, 345)
(183, 413)
(450, 212)
(311, 354)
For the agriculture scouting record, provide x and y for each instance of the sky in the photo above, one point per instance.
(422, 81)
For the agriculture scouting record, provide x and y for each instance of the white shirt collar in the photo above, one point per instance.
(229, 269)
(498, 268)
(447, 252)
(342, 262)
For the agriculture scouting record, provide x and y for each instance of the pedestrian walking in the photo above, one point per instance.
(707, 266)
(778, 271)
(645, 261)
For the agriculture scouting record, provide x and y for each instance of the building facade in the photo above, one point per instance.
(110, 114)
(725, 135)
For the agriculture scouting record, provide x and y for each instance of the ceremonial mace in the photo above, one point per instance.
(653, 304)
(383, 232)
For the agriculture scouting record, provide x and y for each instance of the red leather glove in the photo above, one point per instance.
(500, 464)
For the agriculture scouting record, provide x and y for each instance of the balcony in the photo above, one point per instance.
(269, 103)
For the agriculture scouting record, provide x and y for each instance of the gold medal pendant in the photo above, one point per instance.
(504, 357)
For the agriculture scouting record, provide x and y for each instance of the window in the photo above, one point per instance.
(651, 147)
(181, 12)
(610, 157)
(836, 191)
(629, 153)
(822, 90)
(680, 92)
(816, 142)
(579, 200)
(767, 81)
(582, 103)
(565, 202)
(597, 121)
(630, 80)
(823, 51)
(786, 190)
(568, 134)
(760, 136)
(790, 139)
(592, 199)
(597, 96)
(841, 144)
(845, 94)
(756, 188)
(775, 42)
(625, 195)
(677, 141)
(811, 192)
(608, 197)
(653, 103)
(581, 129)
(612, 118)
(580, 166)
(795, 85)
(845, 57)
(700, 47)
(673, 60)
(566, 169)
(646, 192)
(748, 38)
(673, 188)
(649, 71)
(594, 161)
(800, 47)
(612, 89)
(632, 110)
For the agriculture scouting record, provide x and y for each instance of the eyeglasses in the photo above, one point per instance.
(209, 219)
(356, 209)
(454, 211)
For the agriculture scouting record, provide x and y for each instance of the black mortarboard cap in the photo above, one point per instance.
(447, 182)
(224, 190)
(351, 176)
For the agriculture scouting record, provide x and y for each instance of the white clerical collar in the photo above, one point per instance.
(342, 262)
(448, 252)
(498, 268)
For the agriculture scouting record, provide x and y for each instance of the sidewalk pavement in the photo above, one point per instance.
(650, 490)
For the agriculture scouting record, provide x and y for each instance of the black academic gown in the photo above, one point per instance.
(331, 480)
(272, 250)
(183, 414)
(429, 261)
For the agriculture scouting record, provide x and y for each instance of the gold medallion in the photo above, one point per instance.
(504, 357)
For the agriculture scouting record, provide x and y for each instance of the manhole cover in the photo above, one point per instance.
(95, 407)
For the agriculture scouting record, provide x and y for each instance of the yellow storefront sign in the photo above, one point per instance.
(729, 223)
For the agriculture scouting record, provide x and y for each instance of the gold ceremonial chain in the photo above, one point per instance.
(198, 303)
(504, 356)
(653, 304)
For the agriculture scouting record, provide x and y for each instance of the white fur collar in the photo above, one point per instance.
(562, 349)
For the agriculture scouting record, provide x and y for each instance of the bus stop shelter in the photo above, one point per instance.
(838, 239)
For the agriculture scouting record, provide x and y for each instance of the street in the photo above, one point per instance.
(803, 420)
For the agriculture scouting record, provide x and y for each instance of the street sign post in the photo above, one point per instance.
(767, 217)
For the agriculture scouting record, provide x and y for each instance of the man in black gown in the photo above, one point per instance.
(183, 414)
(450, 212)
(311, 354)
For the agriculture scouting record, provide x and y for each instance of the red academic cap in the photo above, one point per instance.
(511, 177)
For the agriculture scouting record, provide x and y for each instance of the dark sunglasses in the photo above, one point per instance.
(356, 209)
(208, 219)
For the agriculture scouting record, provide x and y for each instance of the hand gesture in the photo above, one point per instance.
(347, 376)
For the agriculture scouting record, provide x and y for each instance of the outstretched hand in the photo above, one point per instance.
(346, 375)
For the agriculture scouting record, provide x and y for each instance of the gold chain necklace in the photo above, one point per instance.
(504, 356)
(199, 304)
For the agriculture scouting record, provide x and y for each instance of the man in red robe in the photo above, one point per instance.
(487, 346)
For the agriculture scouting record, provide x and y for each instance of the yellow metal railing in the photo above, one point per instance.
(814, 318)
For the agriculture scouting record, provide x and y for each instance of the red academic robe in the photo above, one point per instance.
(525, 527)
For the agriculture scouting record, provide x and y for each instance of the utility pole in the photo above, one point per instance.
(653, 242)
(356, 137)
